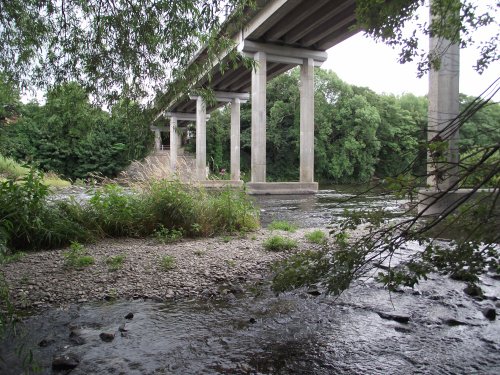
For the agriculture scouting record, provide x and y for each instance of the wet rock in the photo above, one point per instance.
(122, 328)
(75, 337)
(107, 336)
(46, 342)
(65, 362)
(124, 334)
(455, 322)
(400, 318)
(252, 320)
(129, 316)
(473, 291)
(490, 313)
(314, 292)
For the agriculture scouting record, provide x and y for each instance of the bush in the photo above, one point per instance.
(316, 236)
(282, 225)
(28, 220)
(164, 235)
(278, 243)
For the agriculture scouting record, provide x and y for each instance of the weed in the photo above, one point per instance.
(115, 262)
(282, 225)
(5, 259)
(279, 243)
(231, 263)
(164, 235)
(316, 236)
(167, 262)
(76, 256)
(199, 253)
(253, 238)
(226, 239)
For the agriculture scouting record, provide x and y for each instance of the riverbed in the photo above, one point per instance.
(435, 328)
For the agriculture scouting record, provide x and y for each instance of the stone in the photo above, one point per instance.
(129, 316)
(107, 336)
(252, 320)
(46, 342)
(65, 362)
(455, 322)
(490, 313)
(122, 328)
(400, 318)
(473, 290)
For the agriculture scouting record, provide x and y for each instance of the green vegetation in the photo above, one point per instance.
(316, 236)
(11, 169)
(167, 262)
(28, 220)
(282, 225)
(164, 235)
(115, 262)
(76, 256)
(279, 243)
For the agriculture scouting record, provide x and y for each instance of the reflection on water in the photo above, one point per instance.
(294, 333)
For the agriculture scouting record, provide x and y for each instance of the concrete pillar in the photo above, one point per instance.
(201, 139)
(173, 143)
(235, 139)
(157, 140)
(307, 121)
(443, 109)
(259, 80)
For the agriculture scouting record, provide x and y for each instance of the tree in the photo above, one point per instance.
(111, 48)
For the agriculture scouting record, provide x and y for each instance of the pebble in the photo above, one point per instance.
(107, 336)
(65, 362)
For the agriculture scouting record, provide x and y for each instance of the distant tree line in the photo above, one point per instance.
(359, 134)
(70, 136)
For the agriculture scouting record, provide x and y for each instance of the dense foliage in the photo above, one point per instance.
(73, 138)
(29, 220)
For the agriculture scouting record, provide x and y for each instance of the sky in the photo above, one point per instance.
(361, 61)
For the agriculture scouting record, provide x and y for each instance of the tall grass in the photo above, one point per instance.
(29, 221)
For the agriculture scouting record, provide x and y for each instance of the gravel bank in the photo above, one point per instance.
(203, 268)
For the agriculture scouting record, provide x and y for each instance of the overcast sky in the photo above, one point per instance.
(362, 62)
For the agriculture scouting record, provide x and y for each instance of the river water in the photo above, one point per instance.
(434, 329)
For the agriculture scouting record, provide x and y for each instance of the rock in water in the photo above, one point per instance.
(122, 328)
(490, 313)
(107, 336)
(400, 318)
(129, 316)
(65, 362)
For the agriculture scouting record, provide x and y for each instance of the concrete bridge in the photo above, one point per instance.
(279, 35)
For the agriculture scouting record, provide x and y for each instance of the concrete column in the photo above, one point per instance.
(235, 139)
(259, 80)
(157, 140)
(307, 121)
(443, 109)
(173, 143)
(201, 139)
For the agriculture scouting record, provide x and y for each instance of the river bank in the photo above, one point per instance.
(204, 267)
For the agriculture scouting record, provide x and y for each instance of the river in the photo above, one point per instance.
(434, 329)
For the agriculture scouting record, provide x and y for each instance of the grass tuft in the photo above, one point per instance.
(76, 256)
(316, 236)
(282, 225)
(167, 262)
(279, 243)
(115, 262)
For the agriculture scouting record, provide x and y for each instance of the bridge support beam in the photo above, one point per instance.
(201, 139)
(442, 170)
(173, 143)
(235, 139)
(307, 121)
(258, 142)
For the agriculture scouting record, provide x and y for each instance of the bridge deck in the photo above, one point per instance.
(312, 25)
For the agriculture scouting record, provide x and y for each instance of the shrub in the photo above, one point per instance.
(164, 235)
(282, 225)
(167, 262)
(279, 243)
(115, 262)
(76, 256)
(316, 236)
